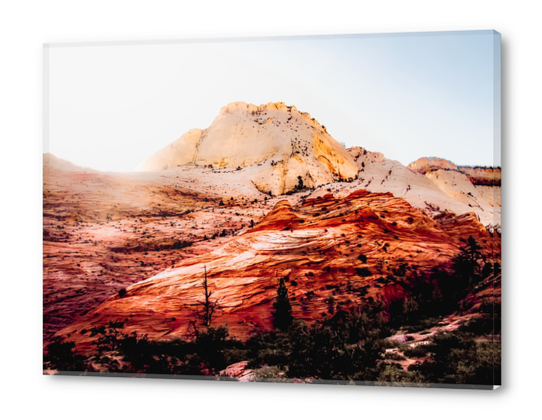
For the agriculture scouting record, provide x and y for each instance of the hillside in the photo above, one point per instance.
(104, 231)
(265, 194)
(317, 244)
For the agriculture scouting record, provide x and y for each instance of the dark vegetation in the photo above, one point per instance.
(282, 317)
(456, 358)
(492, 182)
(441, 292)
(350, 345)
(485, 181)
(209, 306)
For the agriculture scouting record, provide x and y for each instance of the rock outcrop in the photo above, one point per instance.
(478, 175)
(425, 164)
(477, 187)
(283, 148)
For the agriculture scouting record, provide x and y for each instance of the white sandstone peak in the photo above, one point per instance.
(275, 143)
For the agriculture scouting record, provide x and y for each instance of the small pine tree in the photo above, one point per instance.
(466, 264)
(282, 317)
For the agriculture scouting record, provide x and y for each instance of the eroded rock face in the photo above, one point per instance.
(477, 187)
(317, 244)
(279, 142)
(483, 176)
(105, 231)
(478, 175)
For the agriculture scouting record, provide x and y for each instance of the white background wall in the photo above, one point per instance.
(25, 25)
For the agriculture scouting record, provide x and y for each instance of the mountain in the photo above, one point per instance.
(282, 146)
(278, 149)
(343, 225)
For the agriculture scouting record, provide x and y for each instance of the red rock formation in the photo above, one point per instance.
(317, 244)
(106, 231)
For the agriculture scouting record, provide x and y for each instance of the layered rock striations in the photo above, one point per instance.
(203, 201)
(378, 174)
(333, 251)
(105, 231)
(477, 187)
(478, 175)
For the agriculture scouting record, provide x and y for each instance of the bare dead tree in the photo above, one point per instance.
(209, 307)
(204, 316)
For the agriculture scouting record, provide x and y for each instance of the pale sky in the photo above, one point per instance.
(405, 95)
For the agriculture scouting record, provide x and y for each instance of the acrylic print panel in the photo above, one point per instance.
(319, 209)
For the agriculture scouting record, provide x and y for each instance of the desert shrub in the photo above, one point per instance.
(211, 345)
(330, 301)
(396, 375)
(59, 355)
(108, 336)
(487, 270)
(348, 346)
(390, 344)
(466, 264)
(418, 351)
(489, 321)
(211, 351)
(268, 372)
(363, 272)
(457, 358)
(395, 356)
